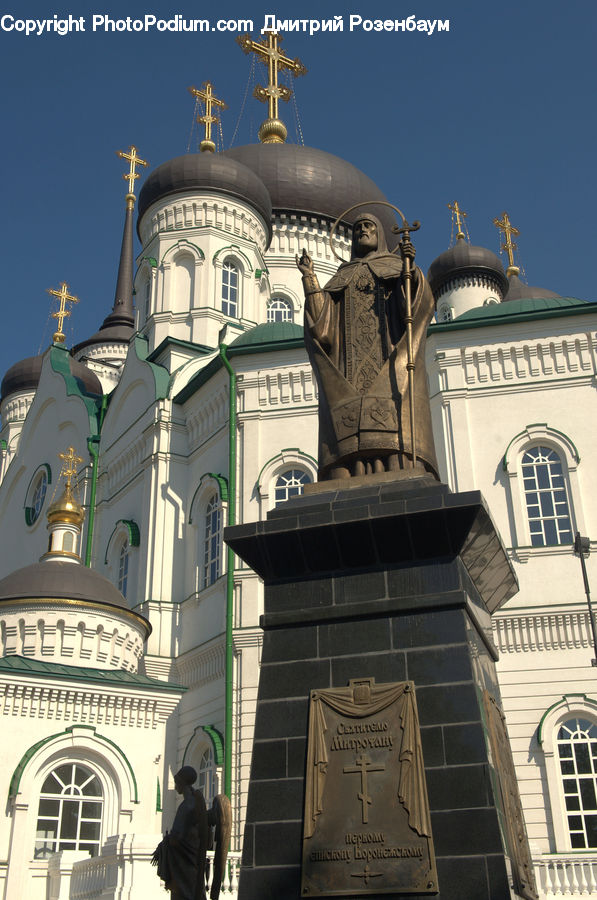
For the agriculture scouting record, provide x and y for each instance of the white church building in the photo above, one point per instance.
(130, 638)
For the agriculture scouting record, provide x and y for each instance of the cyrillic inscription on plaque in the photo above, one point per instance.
(366, 822)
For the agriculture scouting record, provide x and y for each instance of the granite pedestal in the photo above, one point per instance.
(394, 581)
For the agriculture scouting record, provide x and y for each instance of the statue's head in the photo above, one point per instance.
(185, 777)
(367, 236)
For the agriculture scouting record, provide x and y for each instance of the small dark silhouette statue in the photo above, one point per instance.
(181, 857)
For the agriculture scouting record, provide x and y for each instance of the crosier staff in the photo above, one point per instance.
(407, 252)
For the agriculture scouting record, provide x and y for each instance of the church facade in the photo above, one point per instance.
(197, 408)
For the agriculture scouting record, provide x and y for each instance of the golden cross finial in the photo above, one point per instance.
(206, 94)
(460, 216)
(63, 313)
(132, 174)
(70, 461)
(268, 51)
(509, 246)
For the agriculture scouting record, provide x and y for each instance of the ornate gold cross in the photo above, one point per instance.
(509, 246)
(206, 94)
(135, 161)
(460, 216)
(70, 461)
(268, 51)
(63, 313)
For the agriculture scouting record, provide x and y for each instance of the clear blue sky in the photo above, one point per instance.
(499, 114)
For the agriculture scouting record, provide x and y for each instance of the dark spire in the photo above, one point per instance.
(119, 326)
(122, 313)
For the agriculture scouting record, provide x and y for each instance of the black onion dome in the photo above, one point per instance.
(465, 259)
(60, 580)
(211, 172)
(306, 180)
(517, 290)
(87, 380)
(23, 376)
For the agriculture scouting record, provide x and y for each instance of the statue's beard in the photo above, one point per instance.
(362, 248)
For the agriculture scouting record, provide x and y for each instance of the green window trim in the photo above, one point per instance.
(133, 533)
(222, 483)
(564, 702)
(29, 520)
(548, 431)
(217, 740)
(15, 781)
(280, 456)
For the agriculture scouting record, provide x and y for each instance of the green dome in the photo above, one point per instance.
(520, 307)
(269, 333)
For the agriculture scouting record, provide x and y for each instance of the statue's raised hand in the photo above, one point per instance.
(305, 264)
(407, 250)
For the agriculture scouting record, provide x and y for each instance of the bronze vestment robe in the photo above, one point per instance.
(356, 339)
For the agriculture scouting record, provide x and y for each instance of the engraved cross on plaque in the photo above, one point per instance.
(366, 874)
(362, 767)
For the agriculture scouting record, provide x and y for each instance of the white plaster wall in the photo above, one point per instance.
(54, 422)
(203, 230)
(464, 293)
(136, 720)
(488, 385)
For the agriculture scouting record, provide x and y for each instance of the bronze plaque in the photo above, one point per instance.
(366, 827)
(512, 821)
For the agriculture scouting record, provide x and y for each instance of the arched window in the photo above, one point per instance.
(206, 775)
(70, 811)
(577, 751)
(229, 289)
(123, 567)
(212, 547)
(36, 495)
(546, 498)
(290, 484)
(279, 310)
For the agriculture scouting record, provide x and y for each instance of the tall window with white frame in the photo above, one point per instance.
(546, 497)
(577, 751)
(229, 289)
(279, 310)
(123, 567)
(206, 775)
(69, 816)
(290, 484)
(212, 546)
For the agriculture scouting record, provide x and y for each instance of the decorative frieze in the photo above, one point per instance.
(86, 705)
(527, 361)
(201, 666)
(542, 631)
(76, 635)
(178, 212)
(283, 387)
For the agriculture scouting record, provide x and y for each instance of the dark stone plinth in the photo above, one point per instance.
(395, 582)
